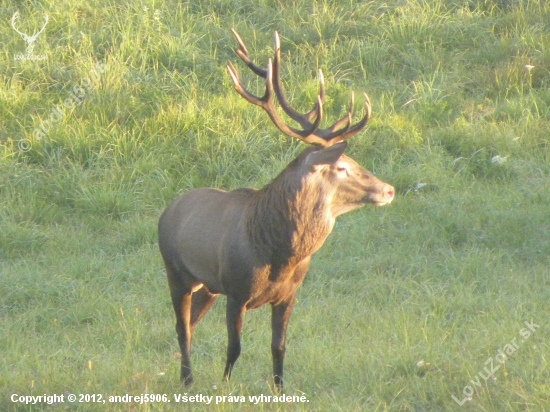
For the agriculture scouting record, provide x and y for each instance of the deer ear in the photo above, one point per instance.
(326, 155)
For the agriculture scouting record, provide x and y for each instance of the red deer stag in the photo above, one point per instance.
(255, 246)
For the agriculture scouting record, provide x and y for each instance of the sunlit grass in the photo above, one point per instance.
(403, 306)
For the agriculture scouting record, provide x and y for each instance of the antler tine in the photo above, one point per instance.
(308, 136)
(240, 89)
(310, 115)
(347, 132)
(311, 133)
(242, 52)
(303, 119)
(332, 134)
(266, 102)
(346, 120)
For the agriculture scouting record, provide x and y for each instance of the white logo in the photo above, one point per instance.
(29, 39)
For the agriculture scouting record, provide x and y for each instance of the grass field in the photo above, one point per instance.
(438, 302)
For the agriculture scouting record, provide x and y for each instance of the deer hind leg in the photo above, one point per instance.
(181, 301)
(184, 338)
(235, 314)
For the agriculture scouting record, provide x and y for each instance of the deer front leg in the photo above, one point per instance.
(280, 315)
(234, 319)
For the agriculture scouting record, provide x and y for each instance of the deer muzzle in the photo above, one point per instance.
(383, 196)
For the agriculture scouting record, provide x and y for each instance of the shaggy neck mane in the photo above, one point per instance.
(289, 219)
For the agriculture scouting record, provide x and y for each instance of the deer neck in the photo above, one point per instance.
(290, 220)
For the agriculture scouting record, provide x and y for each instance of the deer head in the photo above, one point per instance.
(358, 180)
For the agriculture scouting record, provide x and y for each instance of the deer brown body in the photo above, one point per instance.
(255, 246)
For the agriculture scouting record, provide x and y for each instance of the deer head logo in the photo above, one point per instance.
(29, 39)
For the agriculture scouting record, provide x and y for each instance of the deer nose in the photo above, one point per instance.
(389, 192)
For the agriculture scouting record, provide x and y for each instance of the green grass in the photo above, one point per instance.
(403, 306)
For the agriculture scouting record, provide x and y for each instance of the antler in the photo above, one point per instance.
(310, 132)
(26, 37)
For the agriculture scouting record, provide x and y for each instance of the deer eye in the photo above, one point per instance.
(342, 169)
